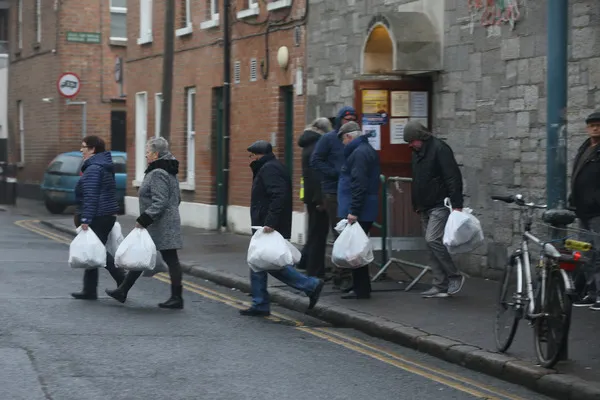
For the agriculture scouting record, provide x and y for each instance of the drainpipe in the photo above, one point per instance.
(167, 77)
(556, 157)
(226, 111)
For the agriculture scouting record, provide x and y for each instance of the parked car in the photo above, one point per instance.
(63, 173)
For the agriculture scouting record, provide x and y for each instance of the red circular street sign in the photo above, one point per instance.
(68, 85)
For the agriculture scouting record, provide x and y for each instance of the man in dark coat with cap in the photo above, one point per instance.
(436, 175)
(271, 208)
(585, 199)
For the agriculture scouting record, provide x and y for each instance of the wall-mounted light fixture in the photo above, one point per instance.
(283, 57)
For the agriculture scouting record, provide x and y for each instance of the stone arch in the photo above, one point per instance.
(379, 51)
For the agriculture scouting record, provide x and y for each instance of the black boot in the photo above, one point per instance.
(120, 293)
(118, 274)
(90, 284)
(175, 301)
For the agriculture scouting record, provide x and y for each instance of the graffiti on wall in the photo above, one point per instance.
(492, 14)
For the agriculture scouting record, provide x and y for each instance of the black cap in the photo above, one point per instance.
(261, 147)
(593, 117)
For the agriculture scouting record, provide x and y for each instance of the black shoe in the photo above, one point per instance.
(118, 294)
(175, 302)
(85, 296)
(587, 301)
(595, 306)
(253, 312)
(354, 296)
(314, 296)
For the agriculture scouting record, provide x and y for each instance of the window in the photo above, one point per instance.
(38, 21)
(250, 10)
(253, 70)
(191, 137)
(237, 66)
(278, 4)
(145, 22)
(120, 165)
(65, 165)
(158, 101)
(212, 15)
(141, 134)
(118, 20)
(184, 22)
(20, 24)
(21, 118)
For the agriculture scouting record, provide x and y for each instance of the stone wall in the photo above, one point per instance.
(489, 101)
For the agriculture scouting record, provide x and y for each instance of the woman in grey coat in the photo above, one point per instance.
(159, 198)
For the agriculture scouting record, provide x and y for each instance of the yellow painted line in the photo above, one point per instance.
(434, 374)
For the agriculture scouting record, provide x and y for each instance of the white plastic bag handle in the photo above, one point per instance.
(447, 203)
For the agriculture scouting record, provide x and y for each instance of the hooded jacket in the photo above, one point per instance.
(585, 185)
(159, 198)
(312, 178)
(328, 157)
(96, 190)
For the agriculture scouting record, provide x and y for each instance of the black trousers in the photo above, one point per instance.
(171, 259)
(101, 227)
(361, 278)
(313, 253)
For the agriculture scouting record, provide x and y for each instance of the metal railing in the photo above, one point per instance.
(400, 229)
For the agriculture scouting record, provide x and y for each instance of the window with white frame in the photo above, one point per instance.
(212, 14)
(278, 4)
(21, 118)
(38, 21)
(184, 21)
(141, 134)
(20, 24)
(118, 20)
(145, 22)
(158, 102)
(190, 102)
(250, 10)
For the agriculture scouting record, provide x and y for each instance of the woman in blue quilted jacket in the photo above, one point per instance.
(97, 207)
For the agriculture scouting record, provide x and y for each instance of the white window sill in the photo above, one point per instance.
(118, 42)
(144, 40)
(188, 186)
(184, 31)
(136, 183)
(250, 12)
(213, 23)
(279, 4)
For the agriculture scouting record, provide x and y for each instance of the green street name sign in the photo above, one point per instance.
(84, 37)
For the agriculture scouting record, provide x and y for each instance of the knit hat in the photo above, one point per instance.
(261, 147)
(593, 117)
(349, 127)
(414, 130)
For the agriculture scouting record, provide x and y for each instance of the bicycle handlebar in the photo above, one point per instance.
(518, 199)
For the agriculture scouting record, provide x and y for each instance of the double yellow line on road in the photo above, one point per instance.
(438, 375)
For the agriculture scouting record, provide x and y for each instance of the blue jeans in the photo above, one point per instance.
(287, 275)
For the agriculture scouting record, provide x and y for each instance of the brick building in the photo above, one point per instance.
(47, 39)
(267, 100)
(485, 85)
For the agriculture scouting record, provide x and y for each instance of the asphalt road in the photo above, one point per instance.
(55, 347)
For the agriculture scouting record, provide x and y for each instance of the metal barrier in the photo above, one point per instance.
(8, 183)
(400, 229)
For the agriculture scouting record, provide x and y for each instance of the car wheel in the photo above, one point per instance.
(55, 208)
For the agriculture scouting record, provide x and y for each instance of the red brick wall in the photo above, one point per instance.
(52, 128)
(255, 106)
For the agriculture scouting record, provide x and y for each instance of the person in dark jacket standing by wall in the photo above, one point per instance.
(271, 208)
(313, 253)
(159, 198)
(327, 159)
(585, 198)
(436, 175)
(97, 207)
(358, 194)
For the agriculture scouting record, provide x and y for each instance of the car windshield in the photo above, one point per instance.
(65, 164)
(120, 165)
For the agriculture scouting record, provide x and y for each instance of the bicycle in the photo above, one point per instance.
(546, 301)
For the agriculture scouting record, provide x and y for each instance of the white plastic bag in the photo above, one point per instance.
(352, 249)
(161, 266)
(86, 250)
(136, 252)
(270, 251)
(463, 232)
(115, 237)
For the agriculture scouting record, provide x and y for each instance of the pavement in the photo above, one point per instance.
(458, 330)
(53, 347)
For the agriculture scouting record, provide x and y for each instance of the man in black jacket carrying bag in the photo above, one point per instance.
(435, 176)
(271, 208)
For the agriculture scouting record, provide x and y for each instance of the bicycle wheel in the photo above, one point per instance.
(508, 310)
(551, 329)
